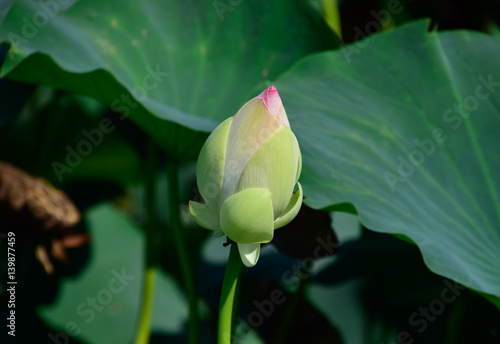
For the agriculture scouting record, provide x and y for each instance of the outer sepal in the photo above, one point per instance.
(297, 152)
(249, 254)
(210, 166)
(247, 216)
(291, 210)
(204, 216)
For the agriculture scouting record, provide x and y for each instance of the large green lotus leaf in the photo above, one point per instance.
(102, 304)
(192, 63)
(406, 128)
(4, 7)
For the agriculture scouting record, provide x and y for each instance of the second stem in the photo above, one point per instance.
(186, 269)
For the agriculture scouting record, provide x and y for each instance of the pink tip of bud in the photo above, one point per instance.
(271, 99)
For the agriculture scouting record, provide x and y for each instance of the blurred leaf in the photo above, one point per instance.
(14, 96)
(186, 62)
(274, 304)
(395, 284)
(495, 29)
(342, 306)
(381, 127)
(301, 237)
(477, 321)
(492, 298)
(114, 160)
(379, 258)
(105, 307)
(49, 142)
(4, 7)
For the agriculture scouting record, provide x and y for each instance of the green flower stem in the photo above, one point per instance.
(297, 296)
(151, 246)
(455, 318)
(187, 271)
(332, 16)
(144, 331)
(228, 308)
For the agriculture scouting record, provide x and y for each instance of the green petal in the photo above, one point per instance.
(251, 127)
(274, 167)
(249, 254)
(204, 216)
(210, 166)
(247, 216)
(291, 211)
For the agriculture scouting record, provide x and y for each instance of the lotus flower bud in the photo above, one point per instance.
(247, 172)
